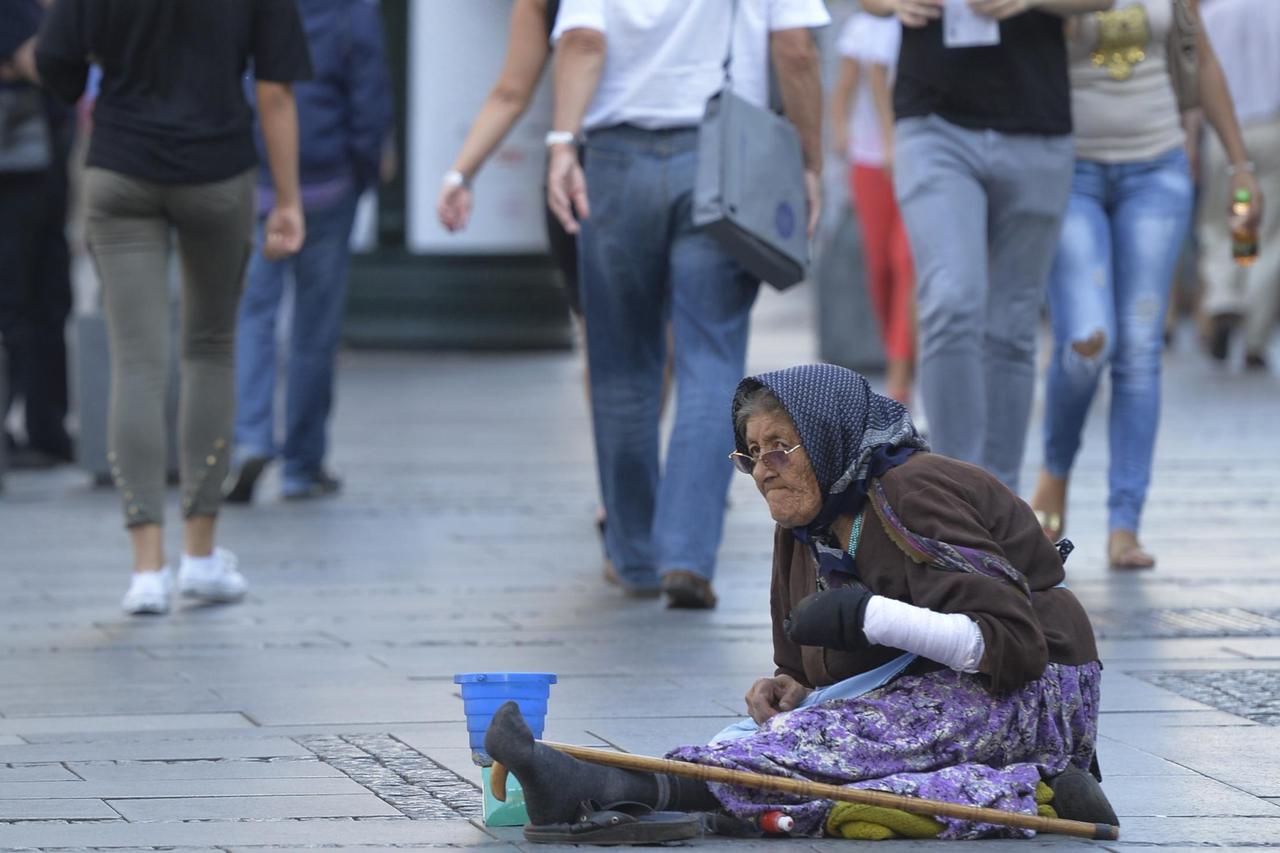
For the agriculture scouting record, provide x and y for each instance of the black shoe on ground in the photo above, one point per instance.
(238, 488)
(321, 484)
(27, 458)
(1220, 328)
(688, 591)
(1255, 361)
(1078, 796)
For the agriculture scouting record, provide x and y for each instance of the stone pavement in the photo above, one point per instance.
(321, 711)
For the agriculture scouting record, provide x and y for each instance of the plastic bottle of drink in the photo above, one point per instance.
(1244, 238)
(777, 823)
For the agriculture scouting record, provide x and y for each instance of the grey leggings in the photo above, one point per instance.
(130, 225)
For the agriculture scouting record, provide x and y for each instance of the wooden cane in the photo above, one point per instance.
(818, 791)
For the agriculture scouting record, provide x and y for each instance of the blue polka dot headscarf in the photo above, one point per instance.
(848, 431)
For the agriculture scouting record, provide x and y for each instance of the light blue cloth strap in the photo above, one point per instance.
(850, 688)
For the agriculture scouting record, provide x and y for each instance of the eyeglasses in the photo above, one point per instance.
(775, 459)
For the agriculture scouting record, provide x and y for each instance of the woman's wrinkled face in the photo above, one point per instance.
(791, 489)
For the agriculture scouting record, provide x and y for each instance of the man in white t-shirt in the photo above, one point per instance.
(633, 77)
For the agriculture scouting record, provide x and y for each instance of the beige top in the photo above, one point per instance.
(1122, 99)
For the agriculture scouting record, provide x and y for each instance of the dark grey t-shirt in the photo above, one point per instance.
(171, 107)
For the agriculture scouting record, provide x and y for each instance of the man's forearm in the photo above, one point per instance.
(278, 114)
(579, 61)
(800, 80)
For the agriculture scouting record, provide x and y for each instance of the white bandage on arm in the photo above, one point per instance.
(951, 639)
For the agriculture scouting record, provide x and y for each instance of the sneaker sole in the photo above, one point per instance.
(147, 610)
(212, 597)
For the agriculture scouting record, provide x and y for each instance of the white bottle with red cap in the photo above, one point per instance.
(777, 823)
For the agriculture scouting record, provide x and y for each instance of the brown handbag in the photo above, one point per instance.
(1183, 55)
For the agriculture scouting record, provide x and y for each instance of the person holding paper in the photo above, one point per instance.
(982, 170)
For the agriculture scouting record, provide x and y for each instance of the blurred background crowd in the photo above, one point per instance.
(376, 174)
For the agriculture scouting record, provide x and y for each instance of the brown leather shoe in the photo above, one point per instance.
(688, 591)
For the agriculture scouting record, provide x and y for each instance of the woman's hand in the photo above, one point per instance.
(453, 207)
(771, 696)
(1244, 179)
(917, 13)
(285, 232)
(1000, 9)
(831, 619)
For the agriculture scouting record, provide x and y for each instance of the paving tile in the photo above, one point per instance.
(224, 834)
(1192, 831)
(168, 771)
(1119, 759)
(1239, 756)
(1182, 796)
(170, 788)
(254, 807)
(121, 723)
(56, 810)
(153, 751)
(10, 740)
(35, 773)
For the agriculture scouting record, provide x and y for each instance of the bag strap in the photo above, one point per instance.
(728, 48)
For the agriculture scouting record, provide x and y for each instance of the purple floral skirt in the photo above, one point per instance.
(940, 736)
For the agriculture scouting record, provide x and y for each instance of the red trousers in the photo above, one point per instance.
(890, 273)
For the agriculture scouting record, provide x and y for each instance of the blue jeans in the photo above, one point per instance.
(643, 266)
(1120, 242)
(319, 278)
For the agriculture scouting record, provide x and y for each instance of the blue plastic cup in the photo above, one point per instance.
(483, 693)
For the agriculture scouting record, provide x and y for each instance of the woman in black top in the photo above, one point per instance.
(172, 152)
(982, 169)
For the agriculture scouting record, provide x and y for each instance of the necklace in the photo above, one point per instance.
(855, 535)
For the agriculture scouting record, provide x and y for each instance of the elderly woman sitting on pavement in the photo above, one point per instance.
(924, 640)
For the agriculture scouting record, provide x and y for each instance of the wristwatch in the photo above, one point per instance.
(561, 137)
(454, 178)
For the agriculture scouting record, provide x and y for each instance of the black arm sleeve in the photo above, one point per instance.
(62, 51)
(280, 52)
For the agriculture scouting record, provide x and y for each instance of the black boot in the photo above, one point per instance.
(556, 785)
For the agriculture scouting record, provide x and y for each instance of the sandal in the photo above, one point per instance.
(1050, 523)
(618, 823)
(1050, 491)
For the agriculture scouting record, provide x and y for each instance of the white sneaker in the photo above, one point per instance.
(148, 593)
(213, 578)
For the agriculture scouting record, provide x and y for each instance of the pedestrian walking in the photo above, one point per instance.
(1130, 206)
(344, 116)
(634, 77)
(862, 129)
(1245, 35)
(35, 267)
(528, 47)
(982, 169)
(172, 152)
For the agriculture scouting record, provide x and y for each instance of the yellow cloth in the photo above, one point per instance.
(1044, 796)
(876, 823)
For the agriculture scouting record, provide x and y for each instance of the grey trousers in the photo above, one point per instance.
(983, 212)
(130, 225)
